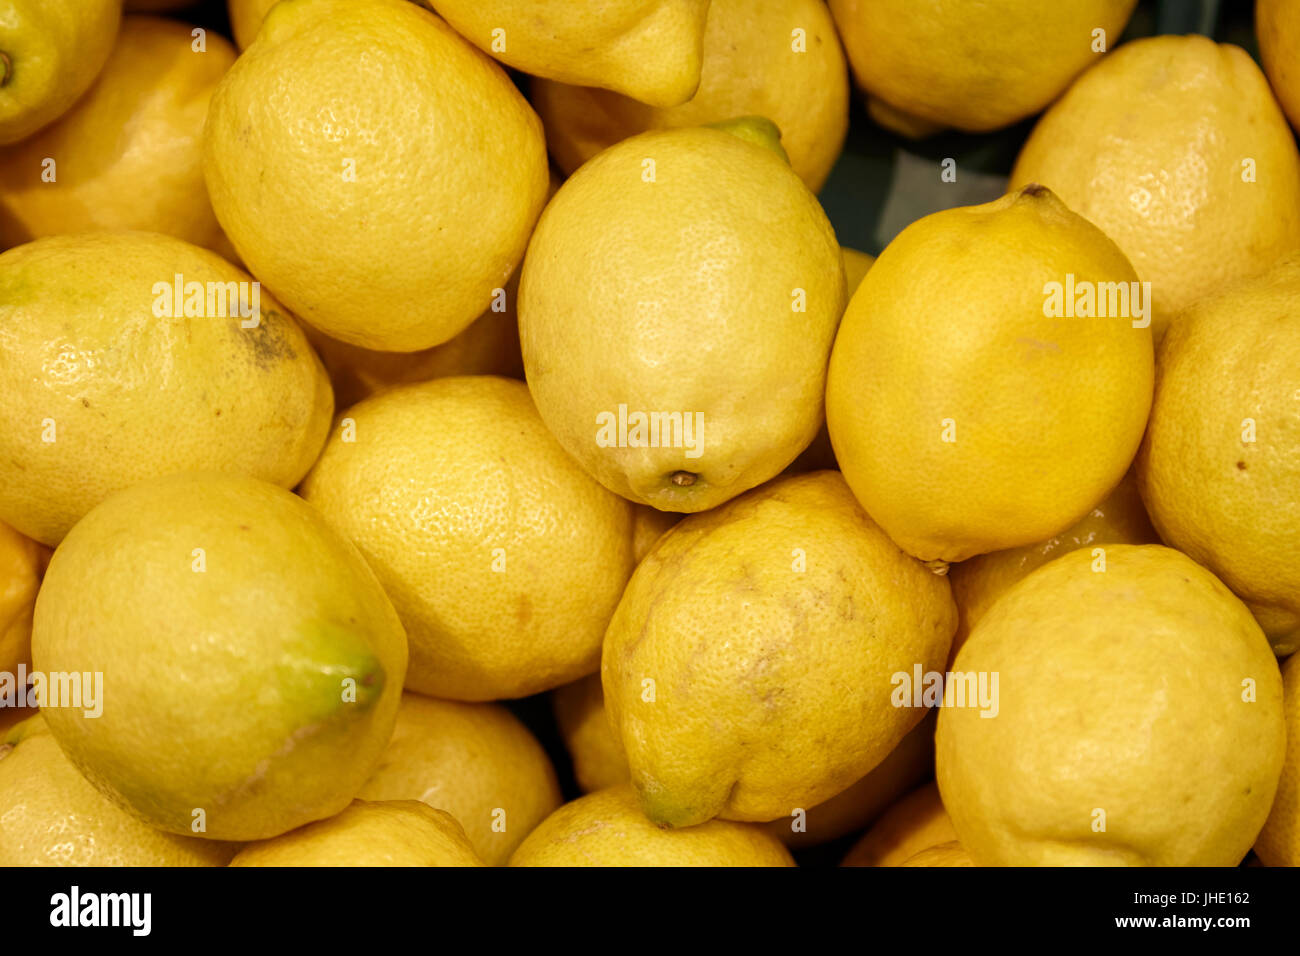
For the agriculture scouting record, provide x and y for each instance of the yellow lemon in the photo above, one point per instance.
(648, 49)
(727, 665)
(607, 829)
(251, 664)
(856, 266)
(127, 155)
(369, 833)
(674, 326)
(820, 454)
(489, 346)
(1188, 164)
(1220, 465)
(853, 808)
(504, 559)
(599, 762)
(477, 762)
(1277, 26)
(930, 64)
(22, 564)
(773, 58)
(942, 854)
(648, 526)
(1141, 725)
(50, 815)
(386, 207)
(124, 356)
(971, 406)
(978, 582)
(246, 18)
(912, 825)
(1279, 841)
(50, 53)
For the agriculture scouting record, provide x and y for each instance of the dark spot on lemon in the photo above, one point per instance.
(268, 341)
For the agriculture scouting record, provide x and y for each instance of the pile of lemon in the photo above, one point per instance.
(347, 392)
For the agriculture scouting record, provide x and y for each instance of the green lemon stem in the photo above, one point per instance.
(758, 130)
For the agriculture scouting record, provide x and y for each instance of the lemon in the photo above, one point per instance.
(384, 206)
(1188, 165)
(599, 762)
(608, 829)
(489, 346)
(648, 49)
(1279, 841)
(820, 454)
(51, 816)
(251, 664)
(127, 155)
(853, 808)
(504, 559)
(964, 416)
(1220, 465)
(1141, 722)
(1277, 26)
(942, 854)
(856, 266)
(773, 58)
(727, 666)
(98, 390)
(930, 64)
(659, 284)
(378, 833)
(22, 564)
(648, 526)
(50, 53)
(246, 18)
(477, 762)
(911, 826)
(978, 582)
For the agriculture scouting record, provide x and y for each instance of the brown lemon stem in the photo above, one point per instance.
(683, 479)
(1034, 189)
(6, 68)
(758, 130)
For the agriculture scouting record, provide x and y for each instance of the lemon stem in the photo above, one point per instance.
(6, 68)
(758, 130)
(683, 479)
